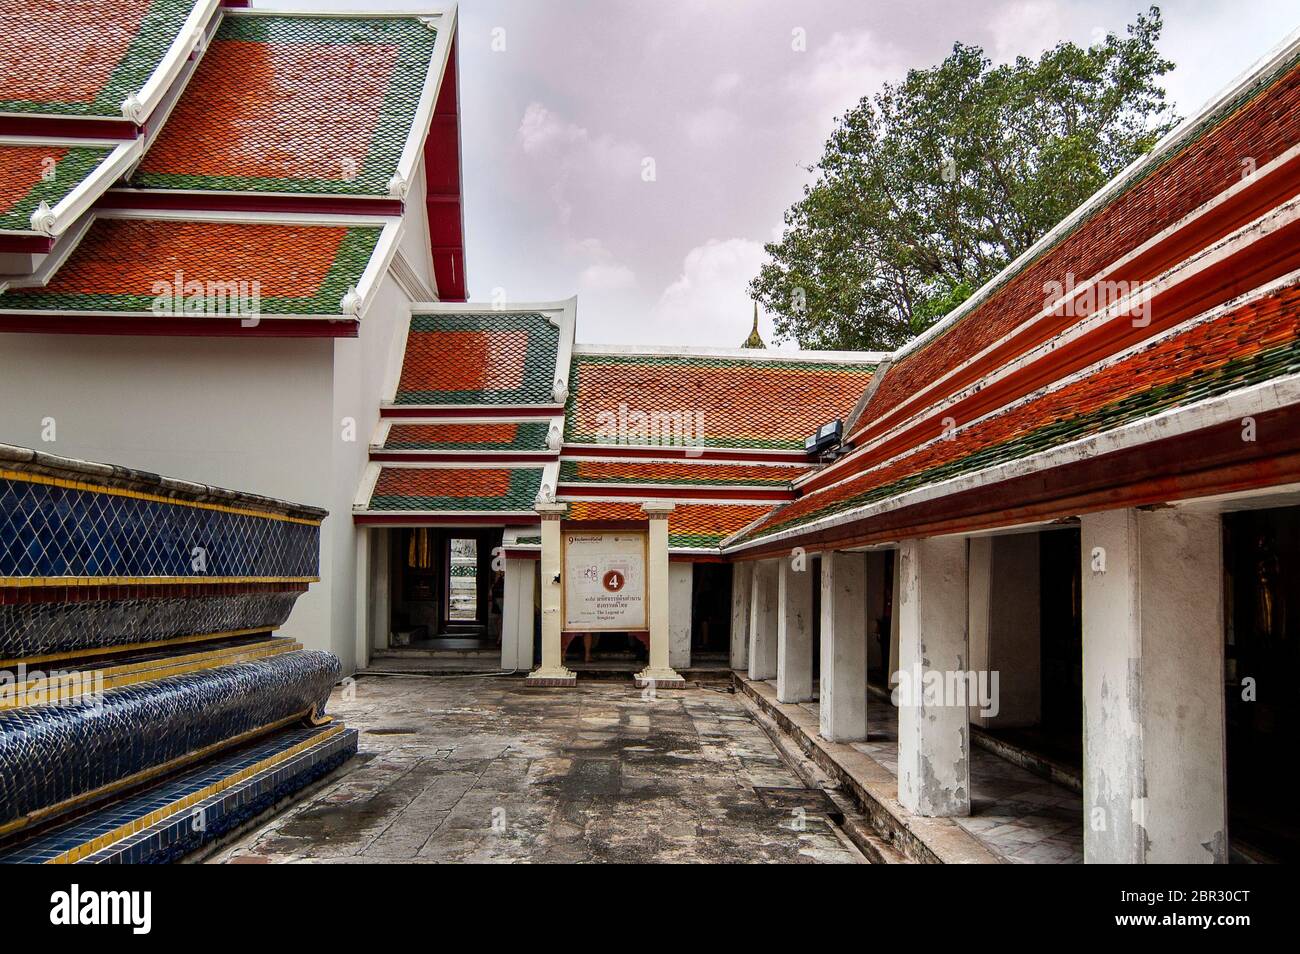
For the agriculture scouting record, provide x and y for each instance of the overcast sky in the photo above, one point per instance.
(564, 101)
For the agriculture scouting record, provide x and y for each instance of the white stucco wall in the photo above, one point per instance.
(681, 577)
(361, 369)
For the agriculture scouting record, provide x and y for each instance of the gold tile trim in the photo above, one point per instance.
(30, 478)
(84, 681)
(73, 855)
(131, 647)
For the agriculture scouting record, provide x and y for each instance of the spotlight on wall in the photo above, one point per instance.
(828, 442)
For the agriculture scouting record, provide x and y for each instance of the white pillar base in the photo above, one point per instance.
(659, 679)
(551, 677)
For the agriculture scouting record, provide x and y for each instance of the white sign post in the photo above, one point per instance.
(605, 582)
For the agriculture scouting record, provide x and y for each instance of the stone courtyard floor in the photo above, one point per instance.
(485, 770)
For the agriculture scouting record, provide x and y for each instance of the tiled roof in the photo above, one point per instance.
(495, 436)
(494, 359)
(31, 174)
(82, 57)
(295, 104)
(298, 269)
(456, 489)
(1157, 196)
(703, 473)
(706, 401)
(690, 526)
(1252, 344)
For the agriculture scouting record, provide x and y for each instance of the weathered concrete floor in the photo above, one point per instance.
(486, 770)
(1018, 816)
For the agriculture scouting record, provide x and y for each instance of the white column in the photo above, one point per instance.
(794, 624)
(552, 671)
(658, 673)
(361, 610)
(381, 610)
(1154, 785)
(843, 697)
(1004, 628)
(742, 584)
(933, 733)
(762, 620)
(517, 615)
(681, 579)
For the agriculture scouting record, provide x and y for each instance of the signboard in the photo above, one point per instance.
(605, 583)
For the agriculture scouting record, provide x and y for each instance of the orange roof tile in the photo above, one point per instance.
(432, 490)
(466, 359)
(707, 401)
(296, 104)
(1267, 117)
(1254, 343)
(82, 57)
(690, 526)
(703, 473)
(120, 263)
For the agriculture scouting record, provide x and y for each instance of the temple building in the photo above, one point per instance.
(1062, 525)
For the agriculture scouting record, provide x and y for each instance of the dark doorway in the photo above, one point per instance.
(1262, 635)
(1061, 615)
(446, 591)
(710, 611)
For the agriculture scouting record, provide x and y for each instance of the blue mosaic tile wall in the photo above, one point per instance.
(58, 628)
(54, 531)
(99, 561)
(52, 753)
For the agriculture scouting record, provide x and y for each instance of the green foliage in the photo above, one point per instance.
(928, 189)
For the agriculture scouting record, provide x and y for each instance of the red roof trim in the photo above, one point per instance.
(1263, 260)
(670, 453)
(26, 244)
(68, 127)
(660, 491)
(1203, 463)
(177, 327)
(151, 199)
(420, 520)
(505, 457)
(442, 181)
(472, 410)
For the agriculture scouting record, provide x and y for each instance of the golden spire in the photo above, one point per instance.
(754, 341)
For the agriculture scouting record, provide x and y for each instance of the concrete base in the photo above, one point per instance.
(659, 679)
(551, 677)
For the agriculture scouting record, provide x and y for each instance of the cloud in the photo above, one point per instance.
(835, 74)
(710, 298)
(575, 165)
(541, 130)
(1028, 27)
(603, 272)
(725, 83)
(713, 126)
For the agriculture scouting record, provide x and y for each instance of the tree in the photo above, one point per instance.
(928, 189)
